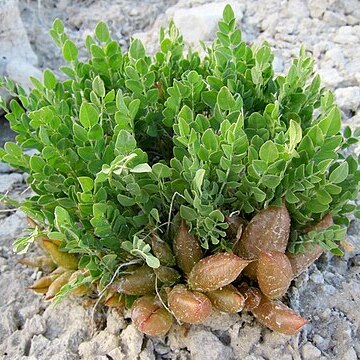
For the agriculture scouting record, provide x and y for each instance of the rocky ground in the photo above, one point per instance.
(328, 295)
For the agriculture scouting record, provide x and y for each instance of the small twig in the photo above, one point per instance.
(170, 210)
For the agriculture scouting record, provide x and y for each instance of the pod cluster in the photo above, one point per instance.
(189, 284)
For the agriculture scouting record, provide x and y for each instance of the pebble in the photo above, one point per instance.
(348, 98)
(310, 352)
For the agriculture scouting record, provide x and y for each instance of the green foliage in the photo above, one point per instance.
(127, 140)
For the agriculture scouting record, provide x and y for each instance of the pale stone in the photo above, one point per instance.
(348, 98)
(310, 352)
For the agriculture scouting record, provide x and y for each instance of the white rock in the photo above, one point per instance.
(310, 352)
(348, 98)
(20, 71)
(200, 22)
(336, 55)
(131, 342)
(334, 18)
(7, 181)
(346, 35)
(330, 77)
(99, 345)
(350, 355)
(317, 7)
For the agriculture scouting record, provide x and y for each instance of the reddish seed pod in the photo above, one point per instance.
(150, 318)
(267, 231)
(301, 261)
(191, 307)
(140, 282)
(167, 275)
(278, 317)
(162, 251)
(236, 226)
(252, 296)
(187, 249)
(274, 274)
(57, 284)
(216, 271)
(66, 260)
(227, 299)
(251, 270)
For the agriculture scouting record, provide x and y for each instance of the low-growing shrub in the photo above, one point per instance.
(157, 181)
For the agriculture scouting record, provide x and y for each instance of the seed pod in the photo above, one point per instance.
(115, 300)
(274, 274)
(162, 251)
(216, 271)
(66, 260)
(167, 275)
(227, 299)
(191, 307)
(41, 285)
(44, 263)
(187, 249)
(252, 296)
(251, 270)
(301, 261)
(267, 231)
(82, 289)
(140, 282)
(57, 284)
(150, 318)
(278, 317)
(236, 226)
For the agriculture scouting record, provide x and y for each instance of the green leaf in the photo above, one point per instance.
(225, 99)
(137, 50)
(198, 179)
(340, 173)
(228, 14)
(86, 183)
(102, 32)
(188, 213)
(152, 261)
(98, 86)
(49, 79)
(161, 170)
(70, 51)
(268, 152)
(141, 168)
(88, 115)
(125, 142)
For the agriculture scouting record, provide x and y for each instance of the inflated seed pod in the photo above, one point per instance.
(115, 300)
(274, 274)
(57, 284)
(167, 275)
(301, 261)
(187, 248)
(268, 230)
(227, 299)
(252, 296)
(150, 318)
(216, 271)
(66, 260)
(162, 251)
(236, 226)
(251, 270)
(44, 263)
(41, 285)
(80, 290)
(278, 317)
(191, 307)
(140, 282)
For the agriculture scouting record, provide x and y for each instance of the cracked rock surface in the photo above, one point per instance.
(328, 295)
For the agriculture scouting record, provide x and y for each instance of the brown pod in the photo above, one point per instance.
(66, 260)
(216, 271)
(252, 296)
(44, 263)
(227, 299)
(274, 274)
(115, 300)
(268, 230)
(278, 317)
(41, 285)
(162, 251)
(191, 307)
(167, 275)
(251, 270)
(150, 318)
(236, 226)
(57, 284)
(140, 282)
(301, 261)
(82, 289)
(187, 248)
